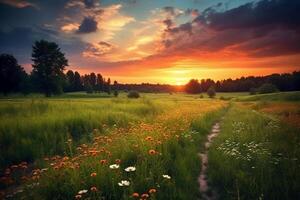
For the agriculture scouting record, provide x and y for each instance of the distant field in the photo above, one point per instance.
(81, 144)
(280, 96)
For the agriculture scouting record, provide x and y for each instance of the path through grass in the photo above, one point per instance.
(256, 156)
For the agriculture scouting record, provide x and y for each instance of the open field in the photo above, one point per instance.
(92, 147)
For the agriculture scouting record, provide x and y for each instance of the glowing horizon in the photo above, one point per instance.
(159, 41)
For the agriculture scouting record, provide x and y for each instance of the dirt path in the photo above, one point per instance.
(206, 192)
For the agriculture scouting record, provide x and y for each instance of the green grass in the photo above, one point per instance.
(177, 156)
(33, 128)
(279, 96)
(255, 157)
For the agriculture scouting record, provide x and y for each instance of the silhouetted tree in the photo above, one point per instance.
(70, 81)
(99, 83)
(93, 81)
(108, 87)
(193, 87)
(115, 88)
(77, 82)
(49, 63)
(11, 74)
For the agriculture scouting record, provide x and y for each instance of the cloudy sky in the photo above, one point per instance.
(165, 41)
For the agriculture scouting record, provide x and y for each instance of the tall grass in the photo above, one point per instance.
(33, 128)
(255, 157)
(167, 144)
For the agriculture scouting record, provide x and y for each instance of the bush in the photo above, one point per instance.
(211, 92)
(133, 94)
(267, 88)
(116, 93)
(201, 96)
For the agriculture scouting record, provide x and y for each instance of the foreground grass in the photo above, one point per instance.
(33, 128)
(255, 157)
(162, 139)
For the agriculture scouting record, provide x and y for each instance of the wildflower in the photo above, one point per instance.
(69, 140)
(79, 148)
(93, 174)
(145, 196)
(152, 152)
(78, 196)
(94, 189)
(124, 183)
(114, 166)
(152, 190)
(82, 191)
(166, 176)
(149, 138)
(103, 162)
(118, 161)
(130, 169)
(135, 194)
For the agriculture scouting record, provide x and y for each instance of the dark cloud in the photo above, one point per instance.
(187, 28)
(263, 28)
(283, 13)
(19, 41)
(89, 3)
(88, 25)
(105, 44)
(168, 23)
(170, 10)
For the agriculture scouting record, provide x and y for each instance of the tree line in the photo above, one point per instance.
(252, 84)
(48, 75)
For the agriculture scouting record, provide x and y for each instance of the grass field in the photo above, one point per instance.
(99, 147)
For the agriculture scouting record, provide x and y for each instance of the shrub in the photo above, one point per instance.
(133, 94)
(201, 96)
(211, 92)
(267, 88)
(116, 93)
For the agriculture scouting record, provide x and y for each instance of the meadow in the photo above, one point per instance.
(80, 146)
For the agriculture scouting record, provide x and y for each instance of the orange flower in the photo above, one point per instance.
(149, 138)
(93, 174)
(103, 162)
(145, 196)
(152, 190)
(135, 194)
(94, 189)
(152, 152)
(78, 196)
(118, 161)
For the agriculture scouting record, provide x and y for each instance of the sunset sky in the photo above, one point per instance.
(158, 41)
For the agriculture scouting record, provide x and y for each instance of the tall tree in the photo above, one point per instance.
(99, 83)
(93, 80)
(70, 85)
(115, 88)
(77, 82)
(108, 86)
(11, 74)
(49, 64)
(193, 87)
